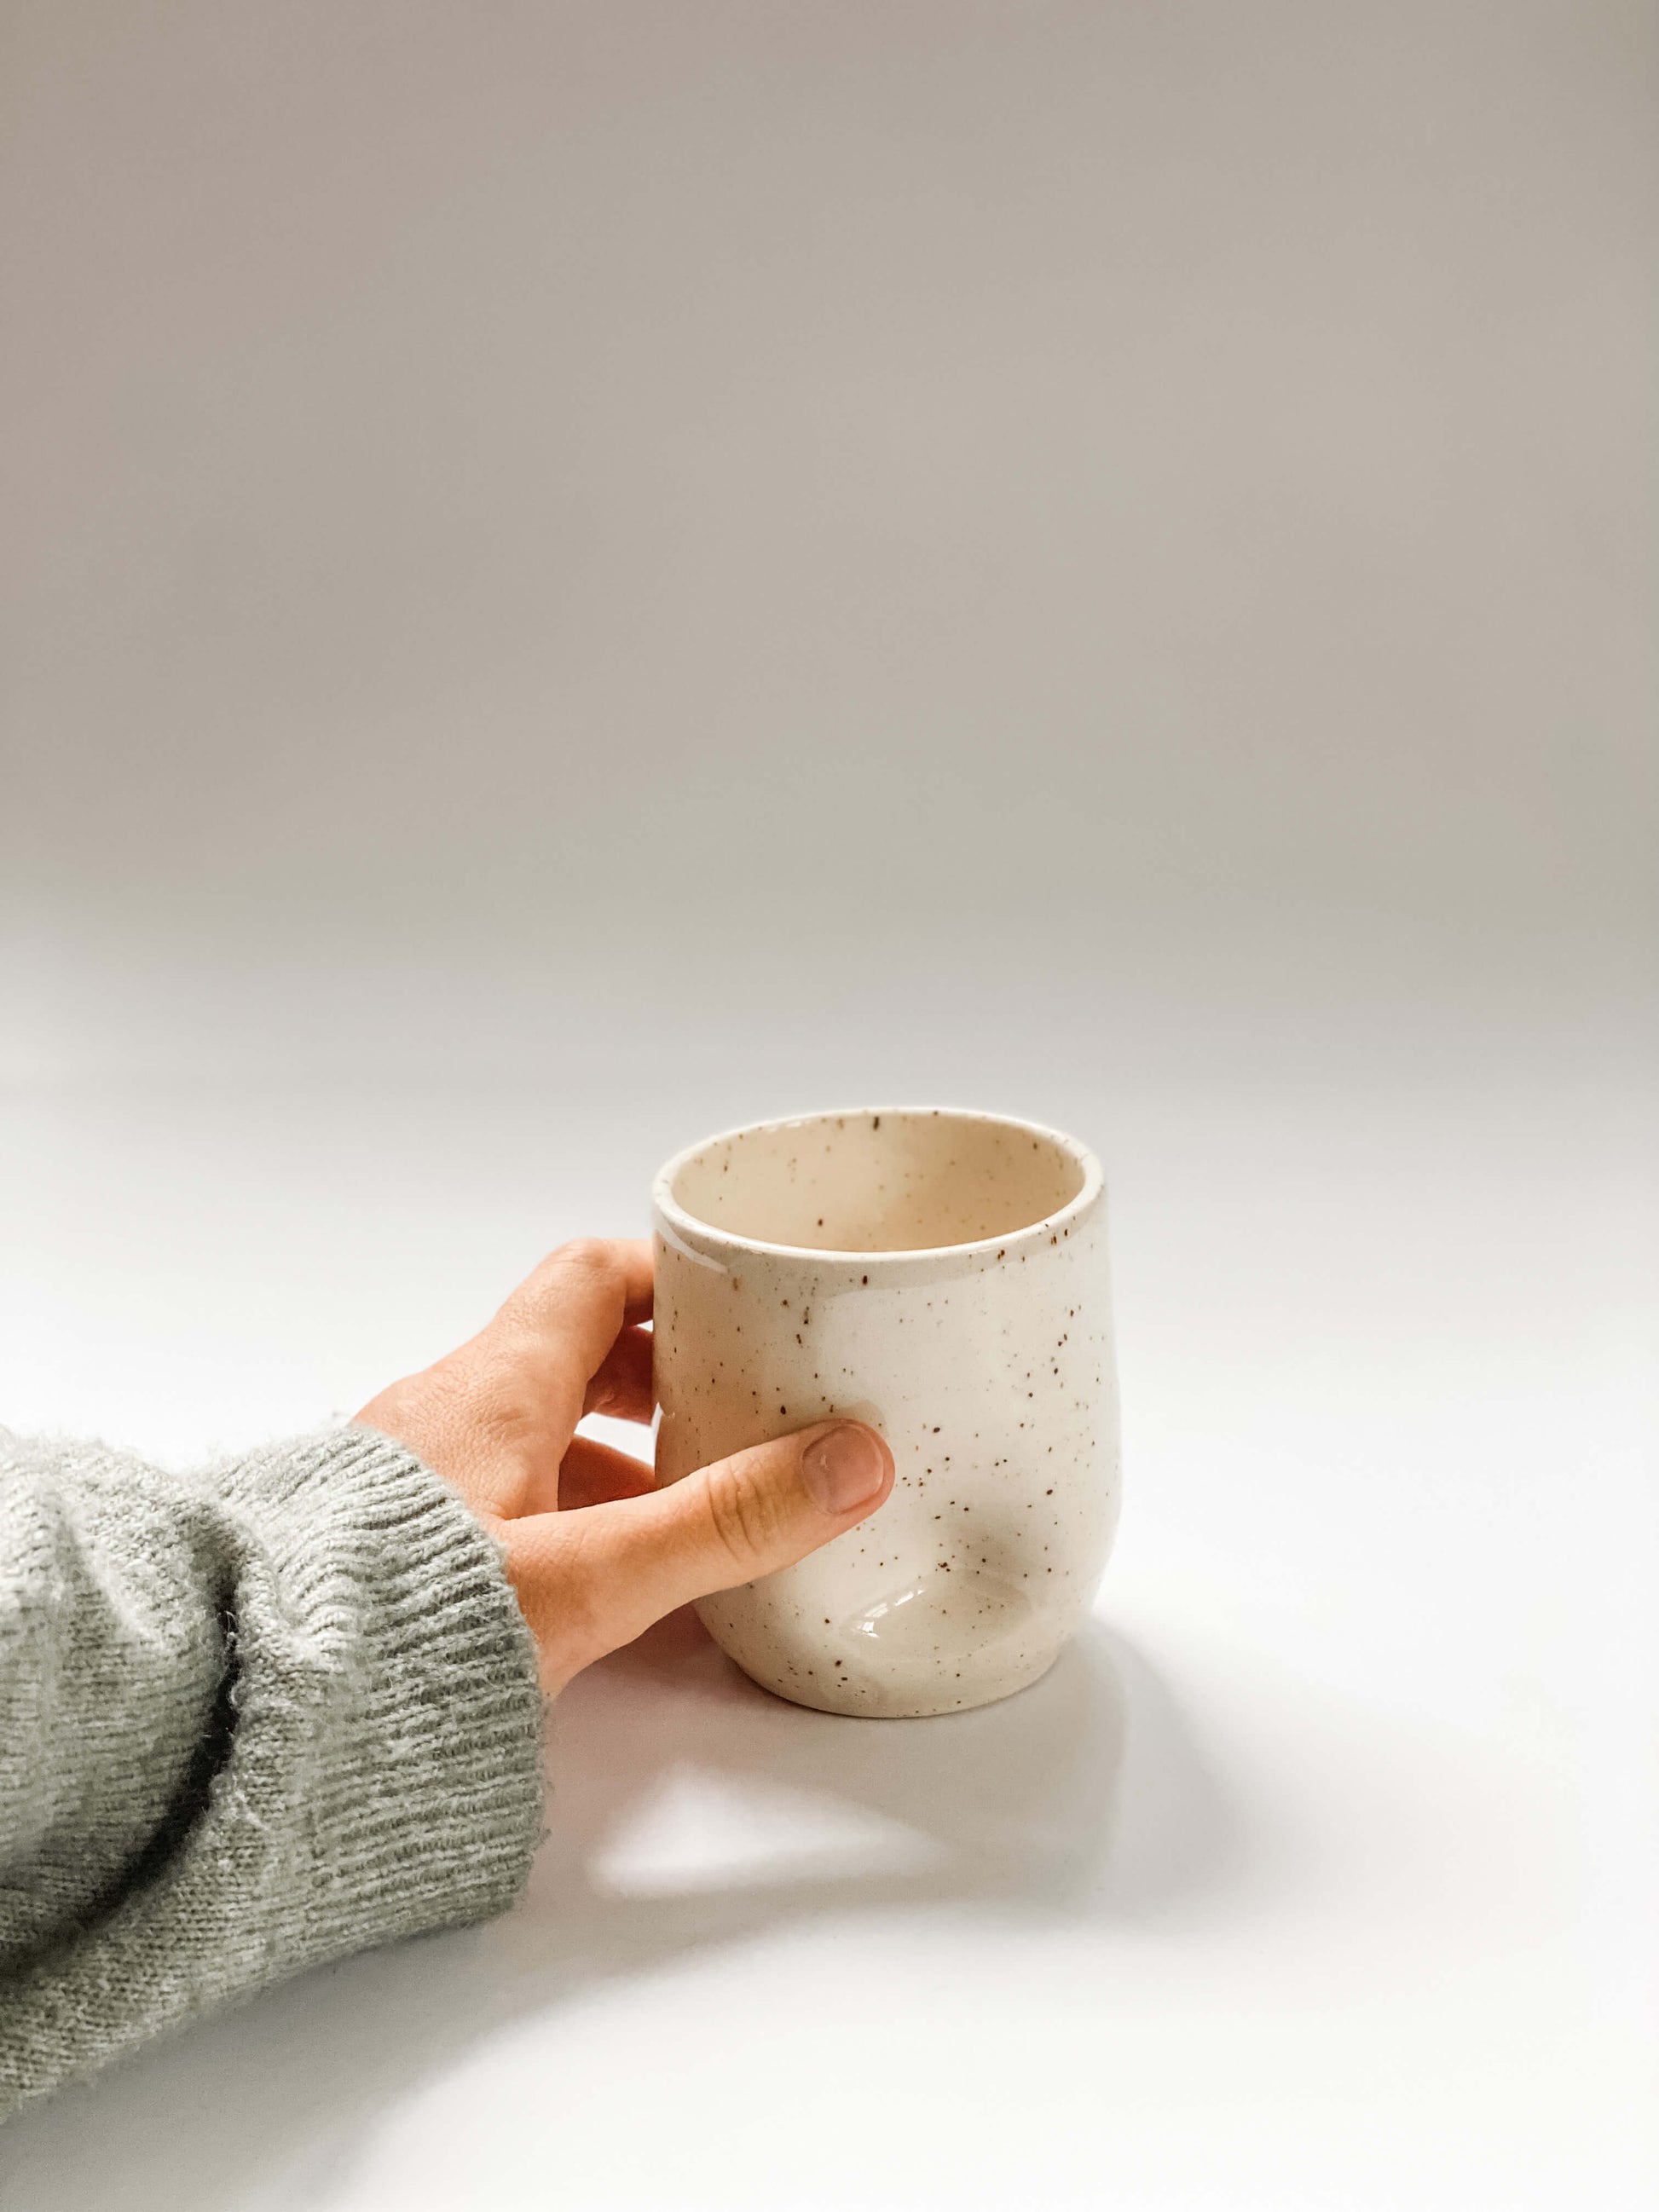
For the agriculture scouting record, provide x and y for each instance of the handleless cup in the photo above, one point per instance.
(940, 1274)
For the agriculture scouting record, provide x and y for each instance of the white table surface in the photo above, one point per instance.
(1318, 1873)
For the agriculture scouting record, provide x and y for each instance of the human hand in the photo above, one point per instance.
(595, 1552)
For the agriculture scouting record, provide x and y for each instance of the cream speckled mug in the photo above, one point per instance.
(941, 1274)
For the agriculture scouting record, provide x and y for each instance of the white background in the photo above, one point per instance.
(580, 575)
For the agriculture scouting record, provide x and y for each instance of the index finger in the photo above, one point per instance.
(591, 1289)
(624, 1264)
(562, 1321)
(567, 1315)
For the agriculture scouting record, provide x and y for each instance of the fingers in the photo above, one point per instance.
(496, 1417)
(562, 1321)
(589, 1582)
(591, 1275)
(622, 1385)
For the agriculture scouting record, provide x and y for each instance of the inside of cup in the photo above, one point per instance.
(885, 1181)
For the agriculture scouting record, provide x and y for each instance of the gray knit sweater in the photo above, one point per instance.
(249, 1720)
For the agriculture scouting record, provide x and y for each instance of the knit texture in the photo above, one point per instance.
(250, 1720)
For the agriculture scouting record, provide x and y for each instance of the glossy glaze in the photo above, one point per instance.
(959, 1302)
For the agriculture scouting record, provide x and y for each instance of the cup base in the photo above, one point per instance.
(870, 1701)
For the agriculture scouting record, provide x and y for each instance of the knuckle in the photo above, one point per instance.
(742, 1514)
(582, 1275)
(588, 1255)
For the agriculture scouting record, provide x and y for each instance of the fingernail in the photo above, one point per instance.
(843, 1468)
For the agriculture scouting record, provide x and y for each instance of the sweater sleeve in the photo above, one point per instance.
(249, 1721)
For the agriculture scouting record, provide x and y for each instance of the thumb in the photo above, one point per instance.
(750, 1515)
(763, 1508)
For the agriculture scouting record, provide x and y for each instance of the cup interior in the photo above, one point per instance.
(904, 1180)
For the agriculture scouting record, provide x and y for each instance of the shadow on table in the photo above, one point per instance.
(691, 1810)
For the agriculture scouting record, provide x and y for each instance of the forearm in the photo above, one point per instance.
(248, 1722)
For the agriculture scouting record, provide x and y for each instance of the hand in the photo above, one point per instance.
(595, 1552)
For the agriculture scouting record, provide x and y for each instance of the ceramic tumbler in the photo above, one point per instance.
(942, 1275)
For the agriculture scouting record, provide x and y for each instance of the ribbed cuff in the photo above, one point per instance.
(373, 1768)
(423, 1787)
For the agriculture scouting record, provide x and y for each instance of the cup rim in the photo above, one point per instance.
(694, 1228)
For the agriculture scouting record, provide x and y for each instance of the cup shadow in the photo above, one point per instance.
(690, 1810)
